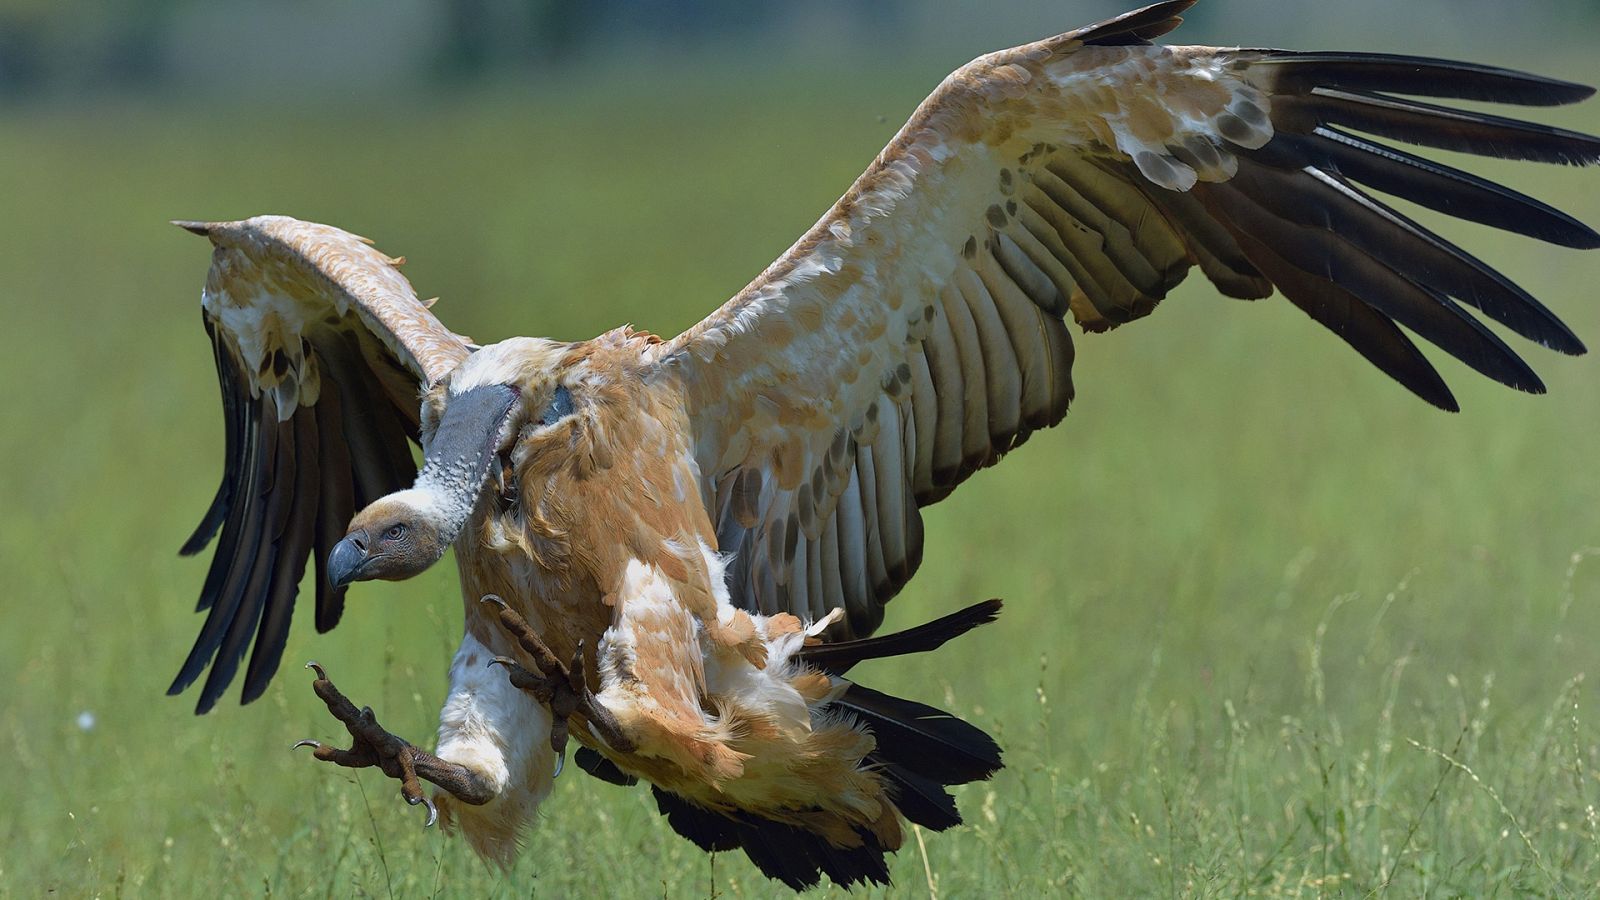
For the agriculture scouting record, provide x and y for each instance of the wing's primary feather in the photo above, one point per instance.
(1431, 184)
(320, 345)
(916, 333)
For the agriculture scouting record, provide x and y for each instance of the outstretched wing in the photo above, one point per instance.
(321, 345)
(916, 333)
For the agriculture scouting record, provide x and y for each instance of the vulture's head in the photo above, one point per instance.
(507, 396)
(395, 537)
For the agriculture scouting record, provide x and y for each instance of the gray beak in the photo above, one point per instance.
(346, 559)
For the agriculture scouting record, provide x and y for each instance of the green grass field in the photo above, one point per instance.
(1273, 626)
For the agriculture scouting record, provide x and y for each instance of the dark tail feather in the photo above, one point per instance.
(909, 741)
(924, 740)
(920, 751)
(922, 800)
(794, 856)
(837, 659)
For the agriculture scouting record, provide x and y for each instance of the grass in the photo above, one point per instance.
(1274, 627)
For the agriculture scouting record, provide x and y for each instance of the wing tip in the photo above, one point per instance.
(985, 612)
(182, 682)
(1564, 92)
(1429, 76)
(193, 226)
(254, 688)
(1441, 398)
(1138, 26)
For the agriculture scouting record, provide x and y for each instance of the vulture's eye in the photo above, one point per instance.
(395, 532)
(559, 407)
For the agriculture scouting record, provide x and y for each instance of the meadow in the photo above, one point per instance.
(1273, 626)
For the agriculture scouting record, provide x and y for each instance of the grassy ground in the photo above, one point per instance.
(1274, 626)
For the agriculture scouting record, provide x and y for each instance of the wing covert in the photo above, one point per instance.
(917, 332)
(321, 346)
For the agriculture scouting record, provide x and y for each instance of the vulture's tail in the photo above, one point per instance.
(838, 658)
(920, 752)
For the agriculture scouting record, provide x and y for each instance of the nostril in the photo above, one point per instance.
(359, 541)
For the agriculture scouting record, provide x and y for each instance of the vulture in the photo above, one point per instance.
(673, 551)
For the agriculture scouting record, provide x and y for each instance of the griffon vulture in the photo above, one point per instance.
(677, 547)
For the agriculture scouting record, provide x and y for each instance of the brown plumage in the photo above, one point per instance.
(709, 526)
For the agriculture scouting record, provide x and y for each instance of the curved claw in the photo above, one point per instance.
(493, 598)
(506, 661)
(316, 667)
(306, 743)
(561, 762)
(433, 811)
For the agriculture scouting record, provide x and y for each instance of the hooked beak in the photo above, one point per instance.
(346, 559)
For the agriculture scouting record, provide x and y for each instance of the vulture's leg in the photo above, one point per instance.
(561, 686)
(371, 745)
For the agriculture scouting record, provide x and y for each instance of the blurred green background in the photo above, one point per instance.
(1273, 625)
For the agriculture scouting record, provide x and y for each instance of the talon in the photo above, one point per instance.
(564, 688)
(433, 811)
(373, 747)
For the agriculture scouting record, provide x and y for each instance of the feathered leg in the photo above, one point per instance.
(562, 687)
(500, 732)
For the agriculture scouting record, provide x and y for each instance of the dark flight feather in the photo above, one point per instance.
(294, 545)
(290, 490)
(1420, 76)
(337, 502)
(233, 426)
(1430, 125)
(1318, 199)
(1134, 28)
(1371, 333)
(251, 601)
(1305, 234)
(1427, 183)
(238, 549)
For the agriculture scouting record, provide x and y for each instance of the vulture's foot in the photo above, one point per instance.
(561, 686)
(371, 745)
